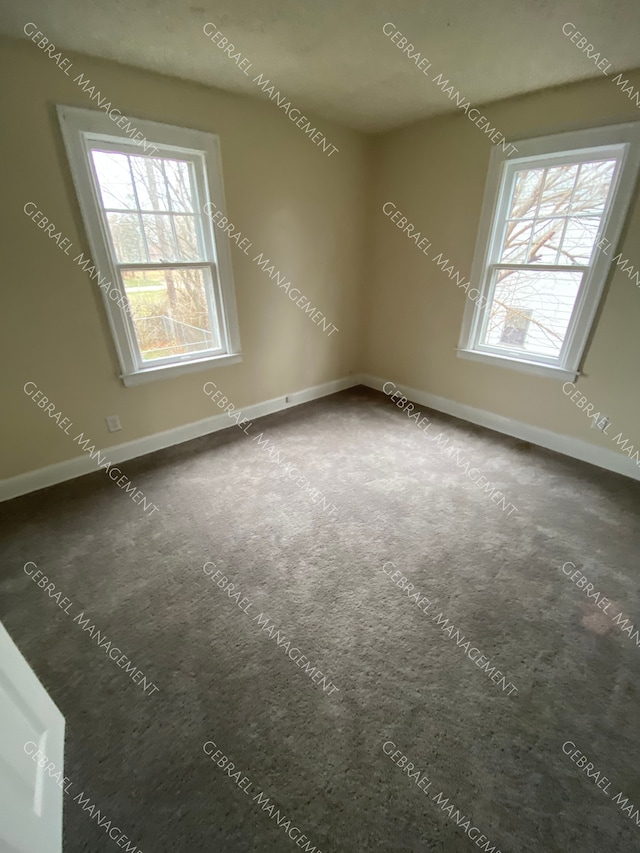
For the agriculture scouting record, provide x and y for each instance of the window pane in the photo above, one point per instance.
(170, 311)
(150, 185)
(558, 189)
(126, 237)
(526, 191)
(530, 310)
(180, 186)
(593, 187)
(579, 240)
(187, 238)
(160, 237)
(114, 180)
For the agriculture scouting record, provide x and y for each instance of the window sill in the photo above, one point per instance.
(533, 367)
(169, 371)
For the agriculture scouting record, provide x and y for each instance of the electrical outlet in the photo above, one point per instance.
(113, 423)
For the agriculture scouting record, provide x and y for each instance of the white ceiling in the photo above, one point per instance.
(331, 56)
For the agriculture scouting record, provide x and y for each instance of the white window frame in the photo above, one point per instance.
(623, 141)
(80, 128)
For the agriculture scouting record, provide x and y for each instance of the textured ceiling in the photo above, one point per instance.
(331, 56)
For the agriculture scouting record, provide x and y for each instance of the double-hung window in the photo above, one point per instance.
(540, 262)
(166, 281)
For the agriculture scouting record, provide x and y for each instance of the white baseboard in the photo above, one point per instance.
(602, 457)
(13, 487)
(574, 447)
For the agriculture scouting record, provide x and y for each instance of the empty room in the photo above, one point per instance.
(320, 488)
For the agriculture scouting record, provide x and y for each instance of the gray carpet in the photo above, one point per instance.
(400, 677)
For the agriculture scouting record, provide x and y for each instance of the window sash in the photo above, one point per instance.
(197, 173)
(483, 316)
(215, 314)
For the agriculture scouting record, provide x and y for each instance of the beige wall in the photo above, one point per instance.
(435, 172)
(298, 206)
(320, 220)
